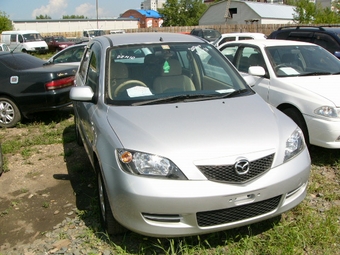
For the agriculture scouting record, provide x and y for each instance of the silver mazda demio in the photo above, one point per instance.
(180, 143)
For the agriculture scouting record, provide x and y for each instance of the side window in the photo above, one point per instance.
(84, 64)
(13, 38)
(227, 39)
(282, 35)
(245, 38)
(249, 56)
(301, 36)
(327, 42)
(94, 68)
(229, 52)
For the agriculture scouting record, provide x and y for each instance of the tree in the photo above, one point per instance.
(74, 17)
(327, 16)
(182, 12)
(304, 11)
(43, 17)
(310, 13)
(5, 22)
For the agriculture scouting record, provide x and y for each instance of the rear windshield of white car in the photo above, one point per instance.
(146, 74)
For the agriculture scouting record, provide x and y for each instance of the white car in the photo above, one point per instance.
(300, 79)
(229, 37)
(4, 47)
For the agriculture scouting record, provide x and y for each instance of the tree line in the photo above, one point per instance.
(188, 13)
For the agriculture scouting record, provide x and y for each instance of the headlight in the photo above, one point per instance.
(145, 164)
(294, 144)
(328, 111)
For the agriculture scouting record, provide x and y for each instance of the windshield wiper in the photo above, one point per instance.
(170, 99)
(189, 98)
(315, 74)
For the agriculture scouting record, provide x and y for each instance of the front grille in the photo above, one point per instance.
(227, 173)
(234, 214)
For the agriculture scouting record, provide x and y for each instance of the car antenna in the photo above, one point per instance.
(14, 48)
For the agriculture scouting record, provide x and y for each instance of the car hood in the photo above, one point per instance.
(326, 86)
(201, 130)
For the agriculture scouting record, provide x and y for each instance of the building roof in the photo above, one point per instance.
(274, 11)
(150, 14)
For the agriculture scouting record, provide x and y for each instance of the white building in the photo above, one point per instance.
(247, 12)
(152, 4)
(74, 27)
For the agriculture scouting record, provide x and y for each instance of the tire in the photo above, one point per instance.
(297, 117)
(108, 222)
(9, 113)
(78, 137)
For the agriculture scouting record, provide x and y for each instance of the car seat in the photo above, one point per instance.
(172, 79)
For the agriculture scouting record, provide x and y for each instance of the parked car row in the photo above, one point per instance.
(188, 138)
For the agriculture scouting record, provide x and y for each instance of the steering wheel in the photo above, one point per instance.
(127, 83)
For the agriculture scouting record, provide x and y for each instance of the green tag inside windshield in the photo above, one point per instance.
(166, 67)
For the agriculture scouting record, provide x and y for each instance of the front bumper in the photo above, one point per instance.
(168, 208)
(324, 133)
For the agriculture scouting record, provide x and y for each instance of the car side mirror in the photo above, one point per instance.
(83, 93)
(257, 71)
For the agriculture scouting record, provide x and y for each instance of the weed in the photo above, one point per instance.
(46, 205)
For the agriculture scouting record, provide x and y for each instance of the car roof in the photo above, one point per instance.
(245, 34)
(269, 42)
(309, 28)
(148, 37)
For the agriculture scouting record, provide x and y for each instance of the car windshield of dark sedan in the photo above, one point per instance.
(166, 73)
(302, 61)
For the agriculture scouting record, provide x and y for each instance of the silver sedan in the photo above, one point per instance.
(180, 143)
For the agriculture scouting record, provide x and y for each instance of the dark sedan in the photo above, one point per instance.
(29, 85)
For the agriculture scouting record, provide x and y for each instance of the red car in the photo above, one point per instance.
(57, 43)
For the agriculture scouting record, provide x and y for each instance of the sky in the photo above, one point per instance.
(29, 9)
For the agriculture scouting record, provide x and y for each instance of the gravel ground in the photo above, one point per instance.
(75, 242)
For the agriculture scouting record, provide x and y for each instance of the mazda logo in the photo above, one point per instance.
(242, 166)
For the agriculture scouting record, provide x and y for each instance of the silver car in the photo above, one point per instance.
(180, 143)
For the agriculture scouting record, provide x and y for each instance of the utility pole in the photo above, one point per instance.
(97, 13)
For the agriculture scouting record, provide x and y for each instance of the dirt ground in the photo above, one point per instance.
(40, 191)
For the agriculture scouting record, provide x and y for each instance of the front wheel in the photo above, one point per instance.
(9, 113)
(297, 117)
(108, 222)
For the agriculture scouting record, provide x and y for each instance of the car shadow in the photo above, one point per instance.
(83, 181)
(49, 117)
(322, 156)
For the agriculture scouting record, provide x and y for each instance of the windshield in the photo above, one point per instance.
(302, 60)
(94, 33)
(165, 73)
(32, 37)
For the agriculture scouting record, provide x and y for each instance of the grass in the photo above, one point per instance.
(313, 227)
